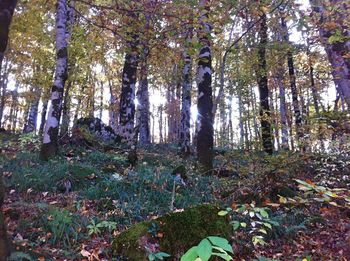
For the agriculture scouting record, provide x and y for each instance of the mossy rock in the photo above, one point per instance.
(181, 169)
(180, 231)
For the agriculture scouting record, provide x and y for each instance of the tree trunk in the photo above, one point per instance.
(4, 77)
(50, 141)
(185, 136)
(205, 100)
(43, 116)
(66, 111)
(143, 99)
(7, 8)
(31, 124)
(127, 99)
(292, 80)
(263, 88)
(337, 49)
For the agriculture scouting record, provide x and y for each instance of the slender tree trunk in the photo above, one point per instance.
(101, 101)
(185, 137)
(13, 108)
(205, 100)
(292, 79)
(31, 124)
(263, 88)
(50, 140)
(160, 111)
(113, 108)
(143, 98)
(4, 77)
(66, 110)
(43, 116)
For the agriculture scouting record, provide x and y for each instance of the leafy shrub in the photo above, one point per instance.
(63, 226)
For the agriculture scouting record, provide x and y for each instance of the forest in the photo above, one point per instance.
(189, 130)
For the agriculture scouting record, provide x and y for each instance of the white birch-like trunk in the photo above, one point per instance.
(50, 139)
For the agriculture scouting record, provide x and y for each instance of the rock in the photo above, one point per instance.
(176, 233)
(91, 131)
(180, 170)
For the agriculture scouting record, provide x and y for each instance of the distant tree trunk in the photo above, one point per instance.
(185, 136)
(160, 110)
(255, 123)
(7, 7)
(143, 99)
(13, 108)
(205, 100)
(241, 121)
(4, 78)
(127, 99)
(292, 79)
(50, 140)
(337, 49)
(263, 88)
(31, 123)
(66, 110)
(101, 101)
(113, 108)
(43, 116)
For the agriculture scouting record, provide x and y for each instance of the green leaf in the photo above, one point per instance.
(223, 256)
(151, 257)
(190, 255)
(204, 250)
(264, 213)
(161, 255)
(221, 242)
(267, 225)
(223, 213)
(235, 224)
(243, 224)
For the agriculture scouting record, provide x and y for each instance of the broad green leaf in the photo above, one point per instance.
(190, 255)
(221, 242)
(204, 250)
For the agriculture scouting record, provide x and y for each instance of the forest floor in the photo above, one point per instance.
(72, 207)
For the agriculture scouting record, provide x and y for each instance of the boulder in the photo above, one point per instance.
(173, 233)
(91, 131)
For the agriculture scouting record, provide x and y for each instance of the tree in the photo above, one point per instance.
(129, 77)
(263, 87)
(50, 139)
(185, 132)
(292, 80)
(205, 139)
(7, 8)
(333, 26)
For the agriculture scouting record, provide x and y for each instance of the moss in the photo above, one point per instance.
(126, 245)
(180, 231)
